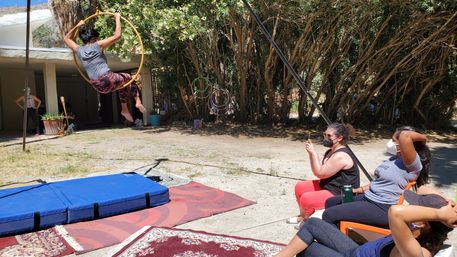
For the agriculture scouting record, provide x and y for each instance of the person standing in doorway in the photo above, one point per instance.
(32, 104)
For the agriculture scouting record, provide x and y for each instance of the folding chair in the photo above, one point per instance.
(362, 233)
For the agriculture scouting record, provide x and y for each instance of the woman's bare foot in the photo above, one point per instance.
(140, 107)
(127, 116)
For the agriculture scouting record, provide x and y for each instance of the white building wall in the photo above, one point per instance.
(14, 25)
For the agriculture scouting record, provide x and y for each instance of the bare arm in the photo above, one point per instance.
(18, 102)
(105, 43)
(361, 189)
(402, 215)
(338, 161)
(37, 101)
(405, 141)
(314, 160)
(332, 165)
(68, 39)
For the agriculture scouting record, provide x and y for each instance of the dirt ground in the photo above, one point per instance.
(260, 164)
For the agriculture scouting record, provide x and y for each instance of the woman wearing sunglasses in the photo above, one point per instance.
(338, 167)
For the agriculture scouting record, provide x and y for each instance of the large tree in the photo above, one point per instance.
(364, 62)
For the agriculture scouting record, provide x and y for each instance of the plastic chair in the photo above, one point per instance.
(362, 232)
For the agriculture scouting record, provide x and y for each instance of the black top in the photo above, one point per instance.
(350, 176)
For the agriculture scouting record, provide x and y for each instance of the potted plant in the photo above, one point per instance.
(154, 118)
(53, 123)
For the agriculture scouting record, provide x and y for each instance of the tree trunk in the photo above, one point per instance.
(67, 13)
(242, 46)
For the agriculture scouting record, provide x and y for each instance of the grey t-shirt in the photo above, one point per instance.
(93, 60)
(391, 178)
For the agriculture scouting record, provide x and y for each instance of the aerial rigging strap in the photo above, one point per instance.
(297, 78)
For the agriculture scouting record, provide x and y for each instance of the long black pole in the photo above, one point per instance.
(297, 78)
(26, 84)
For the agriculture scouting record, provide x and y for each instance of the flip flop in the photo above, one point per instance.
(293, 220)
(299, 225)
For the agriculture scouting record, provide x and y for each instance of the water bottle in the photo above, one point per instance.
(347, 193)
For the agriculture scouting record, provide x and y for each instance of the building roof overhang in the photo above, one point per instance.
(14, 57)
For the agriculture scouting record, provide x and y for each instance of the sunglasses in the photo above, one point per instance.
(327, 135)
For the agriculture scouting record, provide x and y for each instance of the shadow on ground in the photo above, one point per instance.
(297, 133)
(444, 166)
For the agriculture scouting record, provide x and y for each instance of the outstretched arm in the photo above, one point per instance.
(105, 43)
(402, 215)
(68, 39)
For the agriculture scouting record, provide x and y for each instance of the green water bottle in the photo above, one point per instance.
(347, 193)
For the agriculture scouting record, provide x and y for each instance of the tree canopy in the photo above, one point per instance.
(364, 61)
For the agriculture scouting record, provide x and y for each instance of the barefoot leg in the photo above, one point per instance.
(139, 105)
(125, 112)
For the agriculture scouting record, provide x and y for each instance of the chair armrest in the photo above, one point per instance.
(346, 225)
(408, 187)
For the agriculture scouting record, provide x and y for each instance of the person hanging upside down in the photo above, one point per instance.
(95, 64)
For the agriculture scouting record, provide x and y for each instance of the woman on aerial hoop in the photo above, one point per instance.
(94, 62)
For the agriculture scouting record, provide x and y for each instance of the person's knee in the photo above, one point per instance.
(333, 201)
(305, 203)
(329, 216)
(313, 222)
(298, 190)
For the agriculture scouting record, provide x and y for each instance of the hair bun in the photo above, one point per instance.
(350, 129)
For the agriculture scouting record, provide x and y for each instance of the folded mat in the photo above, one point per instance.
(35, 207)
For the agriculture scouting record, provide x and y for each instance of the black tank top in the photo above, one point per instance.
(350, 176)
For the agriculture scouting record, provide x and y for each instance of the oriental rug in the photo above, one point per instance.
(43, 243)
(171, 242)
(189, 202)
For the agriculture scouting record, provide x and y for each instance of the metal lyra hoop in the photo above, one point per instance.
(139, 40)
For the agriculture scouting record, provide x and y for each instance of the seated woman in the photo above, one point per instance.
(430, 216)
(412, 163)
(94, 62)
(337, 168)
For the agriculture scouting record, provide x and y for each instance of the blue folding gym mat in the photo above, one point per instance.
(102, 196)
(39, 206)
(28, 208)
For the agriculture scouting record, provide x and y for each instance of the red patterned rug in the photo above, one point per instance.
(167, 242)
(188, 202)
(42, 243)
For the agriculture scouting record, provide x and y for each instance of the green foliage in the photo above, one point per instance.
(52, 116)
(163, 24)
(47, 36)
(353, 54)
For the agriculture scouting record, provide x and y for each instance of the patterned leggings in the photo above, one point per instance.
(114, 81)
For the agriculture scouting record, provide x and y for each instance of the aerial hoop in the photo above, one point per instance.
(137, 35)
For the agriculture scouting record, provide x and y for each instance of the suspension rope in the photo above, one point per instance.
(297, 78)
